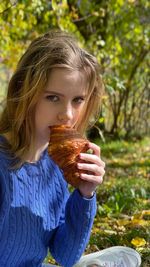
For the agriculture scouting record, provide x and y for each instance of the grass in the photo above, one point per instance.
(123, 200)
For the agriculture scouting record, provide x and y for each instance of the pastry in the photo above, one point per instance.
(64, 148)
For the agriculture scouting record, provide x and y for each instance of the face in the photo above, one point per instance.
(62, 101)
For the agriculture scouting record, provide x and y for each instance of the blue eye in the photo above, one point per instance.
(52, 98)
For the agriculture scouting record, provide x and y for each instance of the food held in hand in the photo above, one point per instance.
(64, 148)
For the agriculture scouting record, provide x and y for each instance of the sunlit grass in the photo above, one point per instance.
(123, 216)
(123, 200)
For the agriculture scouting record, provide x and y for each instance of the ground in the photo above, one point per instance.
(123, 214)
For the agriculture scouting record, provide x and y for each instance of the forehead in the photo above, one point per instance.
(65, 79)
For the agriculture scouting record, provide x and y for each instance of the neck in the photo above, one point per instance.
(36, 152)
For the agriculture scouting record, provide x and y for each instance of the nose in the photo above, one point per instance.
(66, 114)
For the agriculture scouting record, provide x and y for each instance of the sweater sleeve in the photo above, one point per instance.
(2, 187)
(71, 237)
(4, 207)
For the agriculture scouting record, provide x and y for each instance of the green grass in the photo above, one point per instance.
(123, 200)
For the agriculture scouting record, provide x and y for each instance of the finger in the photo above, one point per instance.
(96, 149)
(92, 158)
(91, 178)
(92, 168)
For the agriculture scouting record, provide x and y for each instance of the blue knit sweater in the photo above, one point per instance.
(37, 213)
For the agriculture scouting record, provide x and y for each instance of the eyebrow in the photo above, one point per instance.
(53, 92)
(59, 94)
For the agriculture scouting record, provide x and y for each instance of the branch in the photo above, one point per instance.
(83, 18)
(141, 57)
(100, 133)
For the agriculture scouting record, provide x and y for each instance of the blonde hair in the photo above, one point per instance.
(51, 50)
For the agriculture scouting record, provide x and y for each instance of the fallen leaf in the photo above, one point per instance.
(138, 242)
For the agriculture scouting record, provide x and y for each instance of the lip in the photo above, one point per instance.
(60, 124)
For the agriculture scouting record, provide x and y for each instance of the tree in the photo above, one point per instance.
(115, 31)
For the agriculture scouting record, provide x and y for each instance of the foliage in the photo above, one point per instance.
(116, 32)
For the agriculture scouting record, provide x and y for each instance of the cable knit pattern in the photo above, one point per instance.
(37, 213)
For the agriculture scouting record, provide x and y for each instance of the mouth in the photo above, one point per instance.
(61, 125)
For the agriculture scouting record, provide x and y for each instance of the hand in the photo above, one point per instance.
(95, 171)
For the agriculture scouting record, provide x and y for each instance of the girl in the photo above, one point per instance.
(55, 83)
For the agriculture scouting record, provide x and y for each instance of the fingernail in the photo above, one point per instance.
(78, 165)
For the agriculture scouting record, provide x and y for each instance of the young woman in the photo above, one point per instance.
(56, 82)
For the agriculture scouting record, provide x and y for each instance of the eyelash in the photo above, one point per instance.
(55, 98)
(78, 100)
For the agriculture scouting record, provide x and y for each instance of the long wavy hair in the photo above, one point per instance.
(51, 50)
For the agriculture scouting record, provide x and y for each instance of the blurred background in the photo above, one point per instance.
(118, 34)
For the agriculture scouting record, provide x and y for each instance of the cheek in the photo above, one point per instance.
(41, 113)
(79, 112)
(43, 109)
